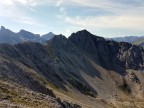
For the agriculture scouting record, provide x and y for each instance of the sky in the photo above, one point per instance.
(107, 18)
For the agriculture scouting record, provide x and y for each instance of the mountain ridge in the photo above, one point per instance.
(8, 36)
(137, 40)
(84, 69)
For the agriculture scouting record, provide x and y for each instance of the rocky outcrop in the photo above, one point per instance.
(109, 52)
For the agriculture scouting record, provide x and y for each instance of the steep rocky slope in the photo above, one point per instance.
(84, 69)
(109, 53)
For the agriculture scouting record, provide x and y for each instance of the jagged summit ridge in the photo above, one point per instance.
(10, 37)
(27, 33)
(84, 34)
(48, 36)
(108, 52)
(3, 28)
(86, 40)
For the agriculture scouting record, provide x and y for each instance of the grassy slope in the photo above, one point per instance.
(138, 42)
(14, 95)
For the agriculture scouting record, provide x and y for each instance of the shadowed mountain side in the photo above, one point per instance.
(45, 62)
(33, 56)
(70, 60)
(68, 53)
(109, 54)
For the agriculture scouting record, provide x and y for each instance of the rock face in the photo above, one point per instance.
(84, 69)
(110, 52)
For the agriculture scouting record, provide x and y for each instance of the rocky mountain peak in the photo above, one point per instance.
(51, 33)
(84, 31)
(3, 28)
(85, 40)
(108, 52)
(61, 43)
(59, 39)
(48, 36)
(81, 34)
(85, 35)
(27, 34)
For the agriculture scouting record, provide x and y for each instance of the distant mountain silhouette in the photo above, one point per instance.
(48, 36)
(129, 39)
(139, 42)
(7, 36)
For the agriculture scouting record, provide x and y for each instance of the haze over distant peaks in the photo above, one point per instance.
(8, 36)
(139, 40)
(48, 36)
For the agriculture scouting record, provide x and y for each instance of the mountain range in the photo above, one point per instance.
(137, 40)
(82, 71)
(10, 37)
(7, 36)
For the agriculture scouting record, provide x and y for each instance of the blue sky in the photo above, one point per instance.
(107, 18)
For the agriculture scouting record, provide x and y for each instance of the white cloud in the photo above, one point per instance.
(125, 22)
(28, 2)
(107, 3)
(71, 29)
(62, 10)
(7, 2)
(123, 16)
(59, 2)
(127, 14)
(28, 21)
(10, 9)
